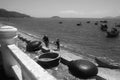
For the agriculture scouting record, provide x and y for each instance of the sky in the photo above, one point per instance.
(64, 8)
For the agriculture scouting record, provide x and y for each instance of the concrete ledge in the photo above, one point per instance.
(109, 74)
(29, 67)
(17, 72)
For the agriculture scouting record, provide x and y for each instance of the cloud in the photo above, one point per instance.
(69, 12)
(82, 13)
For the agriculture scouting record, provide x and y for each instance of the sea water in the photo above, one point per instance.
(86, 39)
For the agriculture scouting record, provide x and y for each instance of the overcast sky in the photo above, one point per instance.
(64, 8)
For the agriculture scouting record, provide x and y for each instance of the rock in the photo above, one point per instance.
(103, 62)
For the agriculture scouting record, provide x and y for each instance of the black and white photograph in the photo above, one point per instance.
(59, 39)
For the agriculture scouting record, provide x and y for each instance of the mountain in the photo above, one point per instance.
(55, 17)
(111, 17)
(118, 17)
(11, 14)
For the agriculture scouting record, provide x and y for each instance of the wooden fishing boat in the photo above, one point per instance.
(49, 60)
(33, 46)
(104, 27)
(106, 64)
(82, 68)
(112, 34)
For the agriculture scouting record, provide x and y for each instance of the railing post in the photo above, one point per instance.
(8, 36)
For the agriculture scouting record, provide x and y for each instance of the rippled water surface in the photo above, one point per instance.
(86, 39)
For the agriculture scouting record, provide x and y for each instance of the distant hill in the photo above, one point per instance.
(110, 17)
(55, 17)
(118, 17)
(11, 14)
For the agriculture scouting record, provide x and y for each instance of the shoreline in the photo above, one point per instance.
(62, 47)
(106, 73)
(68, 48)
(76, 53)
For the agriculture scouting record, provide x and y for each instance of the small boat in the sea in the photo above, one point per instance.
(106, 64)
(104, 27)
(113, 33)
(79, 24)
(117, 25)
(104, 21)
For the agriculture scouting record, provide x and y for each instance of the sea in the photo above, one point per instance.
(85, 39)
